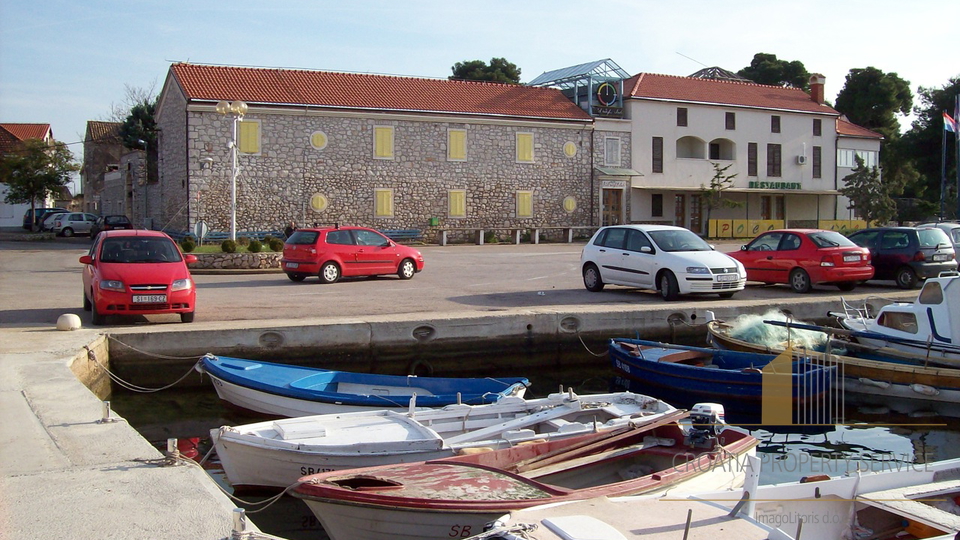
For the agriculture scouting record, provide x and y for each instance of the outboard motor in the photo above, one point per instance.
(706, 421)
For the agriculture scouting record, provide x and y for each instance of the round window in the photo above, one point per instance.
(318, 140)
(570, 204)
(570, 149)
(318, 203)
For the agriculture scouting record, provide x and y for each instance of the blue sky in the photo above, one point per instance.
(67, 62)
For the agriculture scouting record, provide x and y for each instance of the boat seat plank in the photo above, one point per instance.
(380, 390)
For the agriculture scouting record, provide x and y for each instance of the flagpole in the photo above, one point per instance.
(956, 138)
(943, 172)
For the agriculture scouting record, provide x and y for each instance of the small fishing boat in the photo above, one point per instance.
(274, 454)
(715, 374)
(455, 497)
(861, 369)
(288, 390)
(926, 328)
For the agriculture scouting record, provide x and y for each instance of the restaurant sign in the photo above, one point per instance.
(775, 185)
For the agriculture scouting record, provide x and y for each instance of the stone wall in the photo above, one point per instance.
(237, 261)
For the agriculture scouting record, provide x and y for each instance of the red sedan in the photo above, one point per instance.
(804, 257)
(137, 272)
(334, 252)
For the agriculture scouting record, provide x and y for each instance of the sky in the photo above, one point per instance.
(67, 62)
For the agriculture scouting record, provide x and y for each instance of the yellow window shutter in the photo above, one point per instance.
(457, 144)
(458, 203)
(525, 147)
(249, 136)
(524, 204)
(383, 142)
(383, 202)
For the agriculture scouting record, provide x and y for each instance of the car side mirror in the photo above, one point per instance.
(86, 259)
(190, 259)
(646, 249)
(743, 247)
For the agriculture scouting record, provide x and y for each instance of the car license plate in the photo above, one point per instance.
(941, 257)
(149, 298)
(293, 265)
(727, 277)
(851, 258)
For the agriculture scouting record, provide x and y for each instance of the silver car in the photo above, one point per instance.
(71, 223)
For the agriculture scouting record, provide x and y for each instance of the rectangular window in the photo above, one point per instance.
(774, 124)
(383, 203)
(779, 207)
(457, 203)
(656, 205)
(524, 204)
(817, 127)
(657, 155)
(456, 145)
(730, 120)
(383, 142)
(248, 135)
(773, 161)
(524, 147)
(714, 151)
(817, 162)
(845, 158)
(682, 116)
(611, 151)
(752, 159)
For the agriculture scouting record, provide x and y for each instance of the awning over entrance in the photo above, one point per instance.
(612, 171)
(741, 190)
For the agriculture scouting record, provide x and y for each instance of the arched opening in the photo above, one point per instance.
(722, 149)
(691, 147)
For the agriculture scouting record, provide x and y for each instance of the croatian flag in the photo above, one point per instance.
(949, 124)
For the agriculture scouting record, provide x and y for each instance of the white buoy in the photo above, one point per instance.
(68, 321)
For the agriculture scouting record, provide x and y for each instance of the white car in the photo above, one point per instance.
(671, 260)
(71, 223)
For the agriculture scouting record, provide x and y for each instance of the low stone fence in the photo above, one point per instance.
(237, 261)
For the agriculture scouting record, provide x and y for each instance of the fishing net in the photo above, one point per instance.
(752, 329)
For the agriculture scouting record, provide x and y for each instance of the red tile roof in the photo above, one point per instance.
(712, 91)
(98, 131)
(13, 134)
(371, 92)
(849, 129)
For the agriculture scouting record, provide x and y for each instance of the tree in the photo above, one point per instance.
(872, 99)
(869, 197)
(499, 70)
(713, 195)
(767, 69)
(132, 95)
(923, 147)
(35, 170)
(139, 131)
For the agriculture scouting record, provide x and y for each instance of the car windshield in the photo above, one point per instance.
(830, 239)
(303, 238)
(678, 240)
(931, 238)
(139, 250)
(116, 220)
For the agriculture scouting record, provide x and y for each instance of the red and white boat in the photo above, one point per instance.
(455, 497)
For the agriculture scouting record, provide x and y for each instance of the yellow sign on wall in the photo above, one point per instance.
(748, 228)
(843, 226)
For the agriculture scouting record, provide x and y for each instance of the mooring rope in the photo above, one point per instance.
(585, 345)
(148, 353)
(130, 386)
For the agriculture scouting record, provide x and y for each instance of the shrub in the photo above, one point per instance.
(242, 241)
(255, 246)
(491, 238)
(275, 244)
(228, 246)
(267, 239)
(188, 245)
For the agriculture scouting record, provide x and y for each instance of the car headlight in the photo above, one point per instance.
(113, 285)
(703, 270)
(181, 285)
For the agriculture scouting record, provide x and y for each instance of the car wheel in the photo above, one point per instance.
(297, 277)
(407, 269)
(86, 303)
(97, 319)
(669, 290)
(847, 286)
(800, 281)
(186, 317)
(591, 278)
(68, 232)
(906, 278)
(329, 273)
(727, 294)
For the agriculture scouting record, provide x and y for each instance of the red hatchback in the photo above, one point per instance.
(804, 257)
(334, 252)
(137, 272)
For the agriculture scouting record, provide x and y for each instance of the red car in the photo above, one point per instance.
(137, 272)
(334, 252)
(804, 257)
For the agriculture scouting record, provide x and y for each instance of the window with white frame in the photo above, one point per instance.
(382, 202)
(846, 158)
(457, 203)
(524, 147)
(456, 145)
(383, 142)
(524, 204)
(611, 151)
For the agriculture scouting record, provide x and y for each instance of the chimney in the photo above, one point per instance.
(816, 87)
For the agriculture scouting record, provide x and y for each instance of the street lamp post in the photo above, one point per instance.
(236, 110)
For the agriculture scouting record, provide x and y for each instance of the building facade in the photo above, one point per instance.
(101, 155)
(11, 135)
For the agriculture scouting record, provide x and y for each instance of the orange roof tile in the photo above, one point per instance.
(98, 131)
(720, 92)
(849, 129)
(13, 134)
(372, 92)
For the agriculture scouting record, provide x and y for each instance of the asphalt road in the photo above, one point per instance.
(39, 281)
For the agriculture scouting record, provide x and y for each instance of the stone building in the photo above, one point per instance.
(101, 154)
(386, 152)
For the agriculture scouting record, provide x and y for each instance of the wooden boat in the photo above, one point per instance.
(717, 374)
(287, 390)
(926, 328)
(276, 453)
(881, 374)
(454, 497)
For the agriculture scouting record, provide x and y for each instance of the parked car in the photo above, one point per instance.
(802, 258)
(907, 255)
(334, 252)
(137, 272)
(110, 223)
(47, 223)
(671, 260)
(71, 223)
(952, 228)
(33, 217)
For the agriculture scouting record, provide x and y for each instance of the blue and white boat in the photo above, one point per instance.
(288, 390)
(715, 374)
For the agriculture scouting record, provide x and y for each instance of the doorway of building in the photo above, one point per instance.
(612, 207)
(696, 209)
(680, 205)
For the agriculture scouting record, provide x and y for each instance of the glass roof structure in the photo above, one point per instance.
(569, 77)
